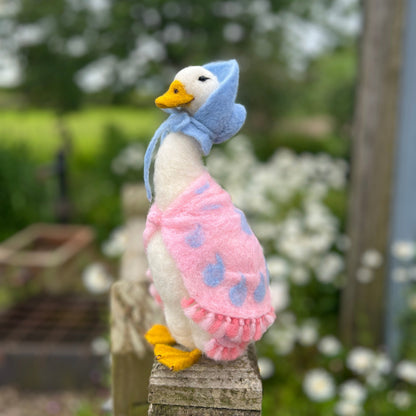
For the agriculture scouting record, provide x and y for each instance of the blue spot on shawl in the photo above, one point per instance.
(202, 189)
(260, 291)
(238, 293)
(211, 207)
(214, 273)
(196, 237)
(244, 224)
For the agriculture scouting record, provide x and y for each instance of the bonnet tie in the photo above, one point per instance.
(177, 122)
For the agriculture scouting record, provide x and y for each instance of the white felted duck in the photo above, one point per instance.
(207, 267)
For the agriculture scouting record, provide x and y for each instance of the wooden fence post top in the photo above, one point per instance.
(134, 200)
(207, 388)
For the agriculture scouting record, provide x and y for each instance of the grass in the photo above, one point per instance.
(38, 128)
(29, 141)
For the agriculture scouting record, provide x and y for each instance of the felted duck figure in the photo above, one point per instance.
(207, 267)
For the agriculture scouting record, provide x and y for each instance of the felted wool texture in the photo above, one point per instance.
(152, 289)
(175, 96)
(168, 284)
(178, 163)
(217, 120)
(200, 90)
(220, 260)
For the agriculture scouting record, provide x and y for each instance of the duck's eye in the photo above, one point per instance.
(202, 78)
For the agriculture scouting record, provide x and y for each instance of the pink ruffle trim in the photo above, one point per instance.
(231, 335)
(216, 351)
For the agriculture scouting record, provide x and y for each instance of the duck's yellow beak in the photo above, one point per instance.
(175, 96)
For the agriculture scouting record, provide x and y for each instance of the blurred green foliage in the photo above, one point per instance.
(37, 128)
(135, 48)
(24, 198)
(27, 150)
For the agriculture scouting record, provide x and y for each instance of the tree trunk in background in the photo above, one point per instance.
(374, 145)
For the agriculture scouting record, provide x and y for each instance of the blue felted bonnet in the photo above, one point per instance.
(216, 121)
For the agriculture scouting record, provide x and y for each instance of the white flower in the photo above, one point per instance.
(277, 266)
(300, 276)
(318, 385)
(233, 32)
(96, 279)
(329, 346)
(353, 391)
(346, 408)
(283, 336)
(364, 275)
(404, 250)
(401, 399)
(316, 216)
(116, 244)
(266, 367)
(308, 334)
(360, 360)
(100, 346)
(282, 339)
(131, 157)
(382, 363)
(400, 274)
(406, 370)
(279, 292)
(295, 247)
(375, 380)
(329, 268)
(107, 406)
(372, 258)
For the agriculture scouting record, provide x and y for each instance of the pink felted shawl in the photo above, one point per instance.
(222, 265)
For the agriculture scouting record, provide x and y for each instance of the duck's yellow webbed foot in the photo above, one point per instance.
(176, 359)
(171, 357)
(159, 334)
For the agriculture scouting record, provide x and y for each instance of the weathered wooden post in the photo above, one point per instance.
(132, 313)
(375, 143)
(208, 388)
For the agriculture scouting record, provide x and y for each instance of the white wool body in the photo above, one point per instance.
(169, 284)
(178, 164)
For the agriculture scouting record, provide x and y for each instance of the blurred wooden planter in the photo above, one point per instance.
(49, 342)
(53, 254)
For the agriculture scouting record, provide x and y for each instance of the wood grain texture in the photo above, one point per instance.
(132, 313)
(130, 376)
(372, 168)
(207, 388)
(135, 206)
(165, 410)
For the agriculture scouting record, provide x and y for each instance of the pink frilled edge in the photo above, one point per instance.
(230, 335)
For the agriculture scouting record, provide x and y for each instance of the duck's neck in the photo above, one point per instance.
(178, 163)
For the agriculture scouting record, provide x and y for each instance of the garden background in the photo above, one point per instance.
(78, 79)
